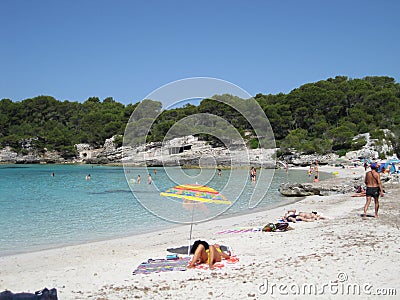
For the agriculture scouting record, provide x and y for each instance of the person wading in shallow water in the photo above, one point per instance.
(374, 188)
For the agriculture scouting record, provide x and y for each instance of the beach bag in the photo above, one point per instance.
(282, 226)
(271, 227)
(44, 294)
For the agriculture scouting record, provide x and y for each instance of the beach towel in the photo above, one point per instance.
(44, 294)
(240, 230)
(162, 265)
(283, 221)
(232, 262)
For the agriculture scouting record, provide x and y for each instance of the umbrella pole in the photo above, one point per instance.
(190, 235)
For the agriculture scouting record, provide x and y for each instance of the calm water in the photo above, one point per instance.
(39, 211)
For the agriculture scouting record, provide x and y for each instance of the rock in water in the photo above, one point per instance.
(298, 190)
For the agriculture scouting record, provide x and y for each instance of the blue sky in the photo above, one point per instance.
(73, 50)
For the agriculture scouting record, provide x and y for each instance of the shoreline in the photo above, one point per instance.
(171, 225)
(154, 230)
(39, 248)
(126, 165)
(312, 251)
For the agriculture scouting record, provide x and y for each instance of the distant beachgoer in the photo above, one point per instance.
(88, 177)
(316, 169)
(138, 179)
(219, 172)
(360, 192)
(312, 216)
(374, 188)
(52, 174)
(149, 179)
(310, 170)
(316, 179)
(365, 165)
(254, 174)
(287, 168)
(385, 170)
(155, 172)
(205, 253)
(359, 189)
(291, 216)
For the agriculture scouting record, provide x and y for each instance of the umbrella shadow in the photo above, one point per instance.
(185, 249)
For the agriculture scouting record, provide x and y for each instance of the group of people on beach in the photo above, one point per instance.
(314, 169)
(211, 254)
(203, 252)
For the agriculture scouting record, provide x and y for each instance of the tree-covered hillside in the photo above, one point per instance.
(57, 125)
(326, 115)
(317, 117)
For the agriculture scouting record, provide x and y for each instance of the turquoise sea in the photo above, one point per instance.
(40, 211)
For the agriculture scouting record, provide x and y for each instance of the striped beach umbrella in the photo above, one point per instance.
(195, 195)
(196, 192)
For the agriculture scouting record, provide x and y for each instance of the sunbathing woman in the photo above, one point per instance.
(291, 216)
(205, 253)
(312, 216)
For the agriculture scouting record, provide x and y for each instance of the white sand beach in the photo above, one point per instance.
(329, 256)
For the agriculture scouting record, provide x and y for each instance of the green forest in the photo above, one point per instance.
(319, 117)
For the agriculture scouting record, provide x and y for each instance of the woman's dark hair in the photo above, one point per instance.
(196, 244)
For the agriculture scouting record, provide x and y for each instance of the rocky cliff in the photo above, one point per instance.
(32, 157)
(188, 150)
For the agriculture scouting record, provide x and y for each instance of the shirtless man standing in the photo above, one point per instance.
(374, 188)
